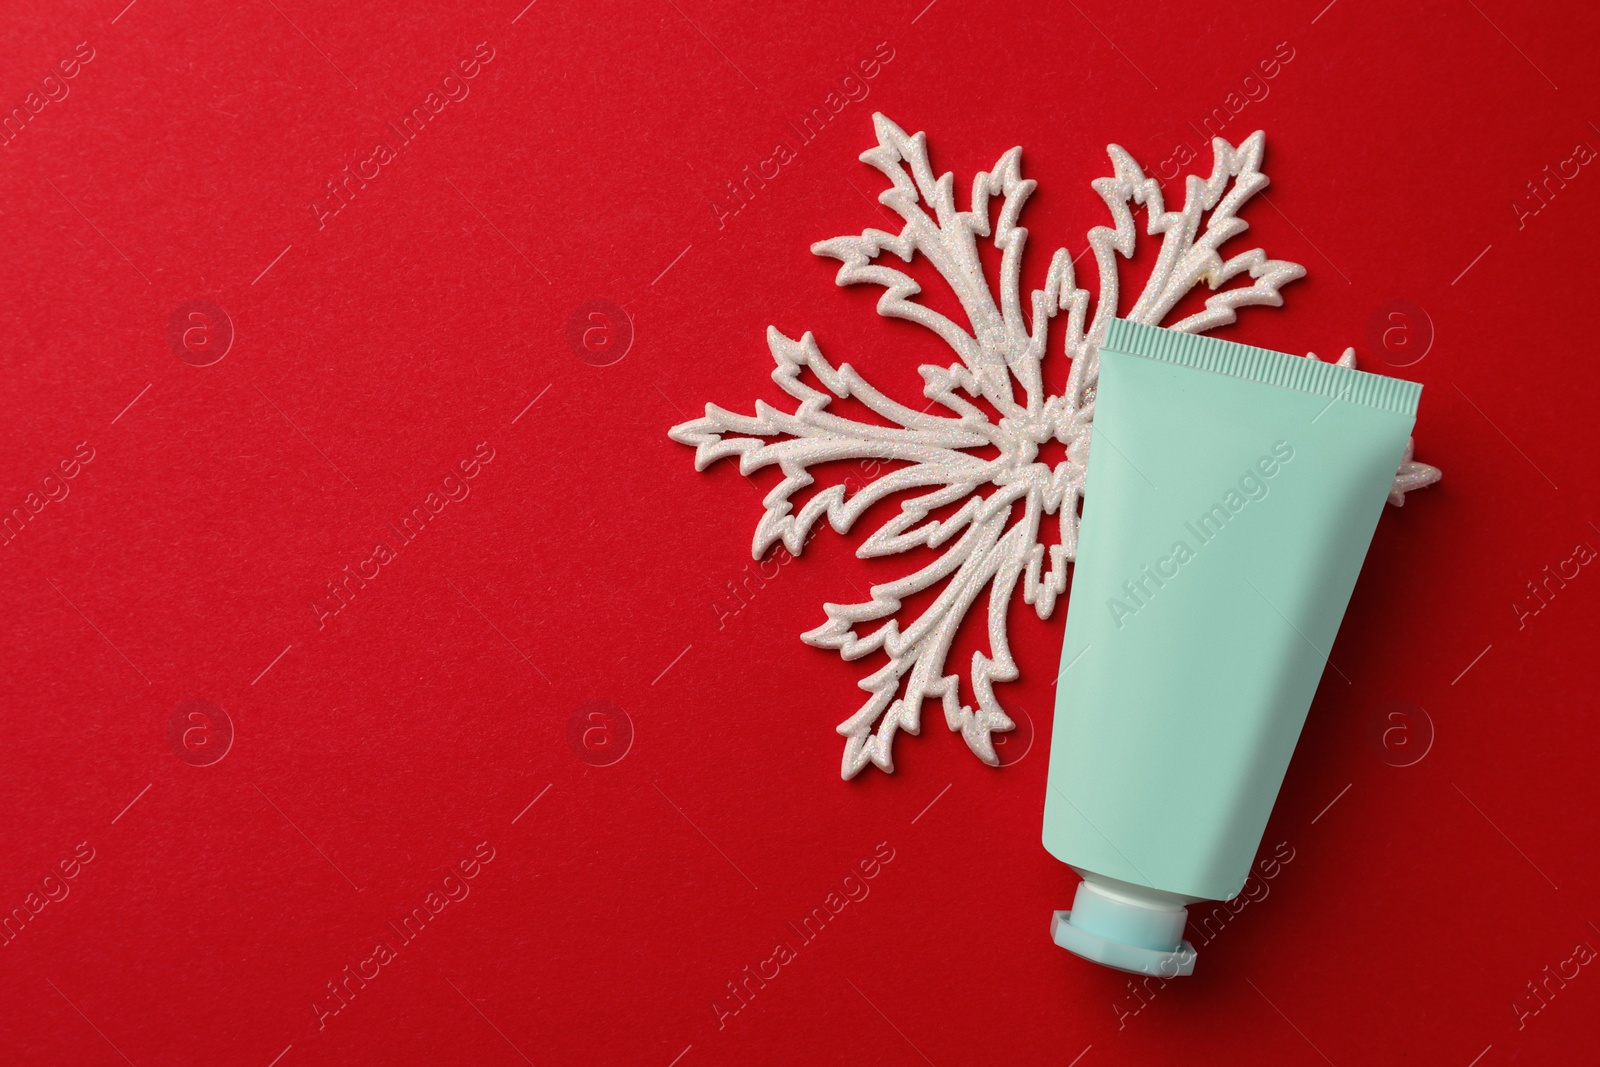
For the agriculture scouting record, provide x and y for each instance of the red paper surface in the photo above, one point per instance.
(577, 602)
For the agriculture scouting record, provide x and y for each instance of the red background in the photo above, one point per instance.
(377, 351)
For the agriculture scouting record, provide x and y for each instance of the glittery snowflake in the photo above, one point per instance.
(972, 488)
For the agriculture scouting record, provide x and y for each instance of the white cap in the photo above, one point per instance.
(1127, 927)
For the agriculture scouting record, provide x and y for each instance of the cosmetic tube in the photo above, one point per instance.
(1230, 497)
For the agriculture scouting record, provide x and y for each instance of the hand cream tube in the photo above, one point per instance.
(1230, 497)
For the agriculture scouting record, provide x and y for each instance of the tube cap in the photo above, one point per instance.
(1115, 928)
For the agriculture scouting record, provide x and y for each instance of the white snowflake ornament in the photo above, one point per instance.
(989, 472)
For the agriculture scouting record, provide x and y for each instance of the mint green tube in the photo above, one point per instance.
(1230, 497)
